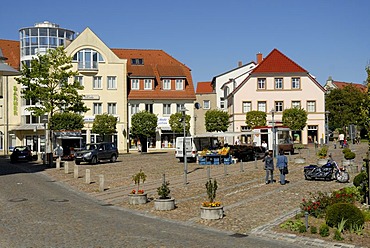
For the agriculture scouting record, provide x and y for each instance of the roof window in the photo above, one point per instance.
(137, 61)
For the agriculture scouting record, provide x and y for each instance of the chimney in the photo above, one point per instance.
(259, 58)
(240, 63)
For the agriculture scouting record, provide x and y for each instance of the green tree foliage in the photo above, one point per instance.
(343, 105)
(216, 120)
(46, 82)
(143, 124)
(104, 124)
(295, 118)
(176, 123)
(66, 121)
(255, 118)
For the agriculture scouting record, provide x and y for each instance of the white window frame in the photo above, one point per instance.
(134, 108)
(97, 82)
(296, 83)
(97, 108)
(261, 106)
(279, 106)
(247, 106)
(279, 83)
(311, 106)
(166, 84)
(112, 108)
(111, 82)
(261, 83)
(206, 104)
(80, 80)
(179, 84)
(166, 109)
(179, 107)
(135, 84)
(148, 84)
(296, 104)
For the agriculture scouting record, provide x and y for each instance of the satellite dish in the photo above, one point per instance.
(197, 105)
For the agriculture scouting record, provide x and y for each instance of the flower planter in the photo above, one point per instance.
(135, 199)
(322, 161)
(347, 162)
(164, 204)
(352, 168)
(212, 213)
(300, 160)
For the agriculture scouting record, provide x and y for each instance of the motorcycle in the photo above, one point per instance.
(328, 171)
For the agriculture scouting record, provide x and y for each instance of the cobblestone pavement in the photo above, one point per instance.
(250, 206)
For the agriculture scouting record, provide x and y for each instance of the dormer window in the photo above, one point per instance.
(137, 61)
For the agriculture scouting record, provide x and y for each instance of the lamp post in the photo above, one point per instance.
(327, 127)
(273, 132)
(183, 110)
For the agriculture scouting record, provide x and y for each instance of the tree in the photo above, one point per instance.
(176, 123)
(46, 82)
(143, 126)
(295, 118)
(343, 105)
(104, 125)
(216, 121)
(255, 118)
(66, 121)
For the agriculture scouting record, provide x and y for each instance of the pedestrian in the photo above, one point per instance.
(269, 167)
(335, 143)
(341, 139)
(264, 145)
(282, 165)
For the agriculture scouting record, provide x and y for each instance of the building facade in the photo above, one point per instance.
(207, 99)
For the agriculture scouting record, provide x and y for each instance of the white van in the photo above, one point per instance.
(191, 150)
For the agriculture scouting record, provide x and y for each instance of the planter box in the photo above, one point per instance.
(322, 161)
(352, 168)
(346, 162)
(135, 199)
(164, 204)
(300, 160)
(212, 213)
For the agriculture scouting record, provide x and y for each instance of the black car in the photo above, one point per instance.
(21, 153)
(95, 152)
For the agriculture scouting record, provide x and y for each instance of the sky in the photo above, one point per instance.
(325, 37)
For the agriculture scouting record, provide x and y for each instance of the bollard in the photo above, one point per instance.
(66, 169)
(58, 163)
(75, 171)
(208, 172)
(255, 163)
(225, 170)
(88, 178)
(101, 183)
(163, 178)
(241, 165)
(306, 219)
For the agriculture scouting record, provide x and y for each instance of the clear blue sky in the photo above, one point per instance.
(326, 37)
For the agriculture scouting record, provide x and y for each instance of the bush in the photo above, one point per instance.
(295, 226)
(313, 229)
(349, 155)
(324, 230)
(336, 212)
(164, 191)
(360, 179)
(345, 150)
(345, 195)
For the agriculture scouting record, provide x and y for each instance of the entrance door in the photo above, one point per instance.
(312, 134)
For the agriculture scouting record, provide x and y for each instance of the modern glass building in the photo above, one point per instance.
(38, 39)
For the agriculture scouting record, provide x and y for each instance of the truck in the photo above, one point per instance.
(193, 144)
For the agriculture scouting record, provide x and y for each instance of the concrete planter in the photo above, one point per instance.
(347, 162)
(135, 199)
(322, 161)
(299, 160)
(212, 213)
(164, 204)
(352, 168)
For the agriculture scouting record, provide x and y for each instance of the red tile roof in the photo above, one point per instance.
(11, 51)
(204, 88)
(158, 64)
(341, 85)
(277, 62)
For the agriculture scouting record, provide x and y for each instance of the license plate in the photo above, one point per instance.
(22, 156)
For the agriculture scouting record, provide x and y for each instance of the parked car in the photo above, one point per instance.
(242, 152)
(95, 152)
(21, 153)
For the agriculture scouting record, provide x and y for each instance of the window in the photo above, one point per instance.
(247, 106)
(166, 84)
(97, 82)
(134, 109)
(206, 104)
(166, 109)
(134, 84)
(261, 106)
(279, 106)
(179, 107)
(278, 83)
(296, 83)
(88, 59)
(222, 103)
(261, 83)
(112, 108)
(149, 108)
(111, 82)
(148, 84)
(179, 84)
(311, 106)
(137, 61)
(296, 104)
(79, 79)
(97, 108)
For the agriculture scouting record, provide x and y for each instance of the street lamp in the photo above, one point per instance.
(183, 110)
(327, 126)
(273, 132)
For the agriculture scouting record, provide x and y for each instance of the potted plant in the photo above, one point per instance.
(211, 209)
(349, 156)
(299, 159)
(322, 154)
(164, 202)
(138, 197)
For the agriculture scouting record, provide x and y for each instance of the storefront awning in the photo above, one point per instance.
(27, 127)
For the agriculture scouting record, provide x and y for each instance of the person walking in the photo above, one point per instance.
(282, 165)
(269, 167)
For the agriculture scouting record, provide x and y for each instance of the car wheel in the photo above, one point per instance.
(77, 162)
(113, 158)
(94, 160)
